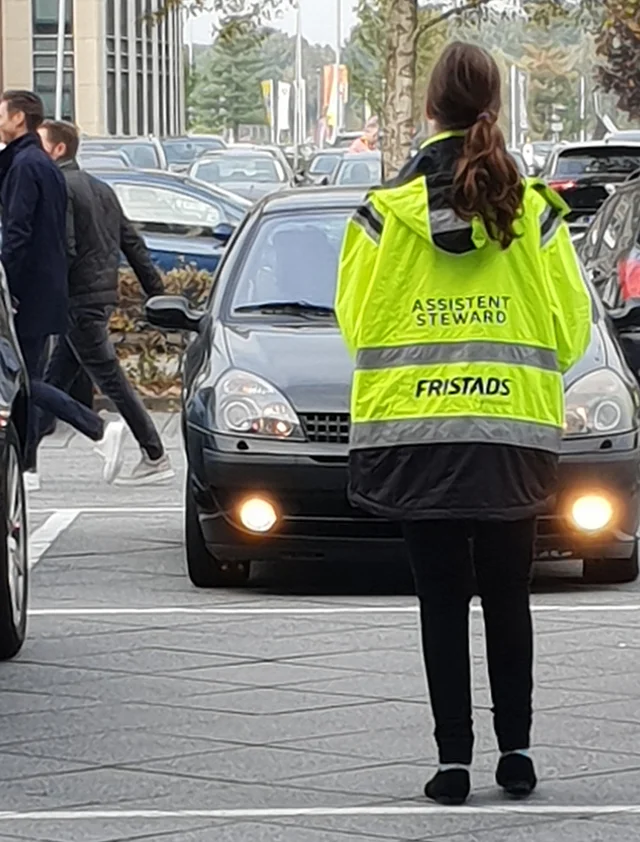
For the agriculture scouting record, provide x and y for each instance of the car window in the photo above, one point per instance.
(160, 206)
(234, 169)
(292, 258)
(609, 159)
(619, 237)
(186, 151)
(102, 162)
(143, 156)
(324, 164)
(360, 173)
(590, 245)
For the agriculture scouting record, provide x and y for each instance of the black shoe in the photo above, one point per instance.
(516, 775)
(450, 788)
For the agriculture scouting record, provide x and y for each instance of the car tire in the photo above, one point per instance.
(205, 571)
(14, 567)
(611, 571)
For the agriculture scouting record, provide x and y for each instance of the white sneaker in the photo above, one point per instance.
(111, 448)
(149, 471)
(31, 481)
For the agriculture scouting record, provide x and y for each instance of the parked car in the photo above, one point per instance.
(181, 152)
(541, 151)
(363, 169)
(14, 537)
(266, 415)
(610, 249)
(276, 152)
(624, 136)
(322, 166)
(92, 161)
(586, 174)
(145, 153)
(252, 173)
(181, 220)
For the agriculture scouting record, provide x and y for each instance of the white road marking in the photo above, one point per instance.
(41, 538)
(290, 611)
(118, 510)
(529, 809)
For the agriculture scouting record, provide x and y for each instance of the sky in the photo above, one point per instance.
(319, 22)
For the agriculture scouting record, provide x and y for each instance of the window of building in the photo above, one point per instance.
(45, 51)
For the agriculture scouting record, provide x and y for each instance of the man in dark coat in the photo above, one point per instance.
(98, 231)
(34, 255)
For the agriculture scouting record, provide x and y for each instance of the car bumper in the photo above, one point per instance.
(307, 487)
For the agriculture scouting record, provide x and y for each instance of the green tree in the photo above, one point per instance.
(619, 43)
(227, 91)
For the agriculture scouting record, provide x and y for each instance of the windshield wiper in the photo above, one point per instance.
(298, 308)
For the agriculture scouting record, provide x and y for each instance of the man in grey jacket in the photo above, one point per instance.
(97, 232)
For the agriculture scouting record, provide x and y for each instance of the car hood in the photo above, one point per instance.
(310, 364)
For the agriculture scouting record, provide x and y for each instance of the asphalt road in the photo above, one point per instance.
(293, 711)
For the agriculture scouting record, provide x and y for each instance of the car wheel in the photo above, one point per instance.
(611, 571)
(206, 571)
(14, 568)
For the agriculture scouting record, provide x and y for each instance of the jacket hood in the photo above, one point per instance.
(420, 198)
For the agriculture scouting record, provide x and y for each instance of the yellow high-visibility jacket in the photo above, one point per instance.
(456, 340)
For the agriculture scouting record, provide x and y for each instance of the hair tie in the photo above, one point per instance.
(484, 115)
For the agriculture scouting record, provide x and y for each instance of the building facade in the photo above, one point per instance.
(123, 70)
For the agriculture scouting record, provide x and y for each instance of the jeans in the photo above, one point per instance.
(443, 557)
(50, 402)
(87, 346)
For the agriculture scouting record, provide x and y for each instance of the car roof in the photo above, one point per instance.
(163, 178)
(313, 198)
(597, 144)
(359, 156)
(238, 152)
(119, 139)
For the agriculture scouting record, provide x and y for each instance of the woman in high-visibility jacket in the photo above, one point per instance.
(462, 301)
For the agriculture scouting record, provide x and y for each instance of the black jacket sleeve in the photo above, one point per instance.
(137, 254)
(21, 199)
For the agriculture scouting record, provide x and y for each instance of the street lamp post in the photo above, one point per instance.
(298, 119)
(338, 64)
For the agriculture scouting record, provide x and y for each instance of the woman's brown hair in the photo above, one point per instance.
(465, 93)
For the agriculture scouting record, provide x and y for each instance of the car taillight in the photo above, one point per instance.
(563, 184)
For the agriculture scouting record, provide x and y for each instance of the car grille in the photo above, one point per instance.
(326, 427)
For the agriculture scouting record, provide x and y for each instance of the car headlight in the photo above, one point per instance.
(245, 404)
(598, 404)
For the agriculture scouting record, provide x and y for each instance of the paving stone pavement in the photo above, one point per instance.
(293, 711)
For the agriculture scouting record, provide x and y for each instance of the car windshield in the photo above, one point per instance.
(292, 260)
(186, 151)
(359, 172)
(143, 156)
(324, 164)
(234, 169)
(609, 159)
(148, 203)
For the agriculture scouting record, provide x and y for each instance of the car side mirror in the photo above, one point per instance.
(626, 317)
(223, 232)
(173, 312)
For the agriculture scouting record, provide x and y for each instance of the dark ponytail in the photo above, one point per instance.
(465, 93)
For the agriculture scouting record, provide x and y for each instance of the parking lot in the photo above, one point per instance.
(295, 710)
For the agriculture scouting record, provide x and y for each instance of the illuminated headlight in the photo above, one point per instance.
(600, 403)
(592, 513)
(245, 404)
(258, 515)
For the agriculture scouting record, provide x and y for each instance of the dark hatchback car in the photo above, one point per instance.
(586, 174)
(182, 221)
(266, 415)
(14, 539)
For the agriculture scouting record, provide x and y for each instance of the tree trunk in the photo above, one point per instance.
(400, 75)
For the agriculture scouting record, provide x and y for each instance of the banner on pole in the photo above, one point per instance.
(284, 108)
(267, 95)
(331, 90)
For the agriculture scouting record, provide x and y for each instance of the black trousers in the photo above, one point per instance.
(444, 555)
(87, 346)
(49, 402)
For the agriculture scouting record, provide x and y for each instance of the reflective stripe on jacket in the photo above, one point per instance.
(455, 339)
